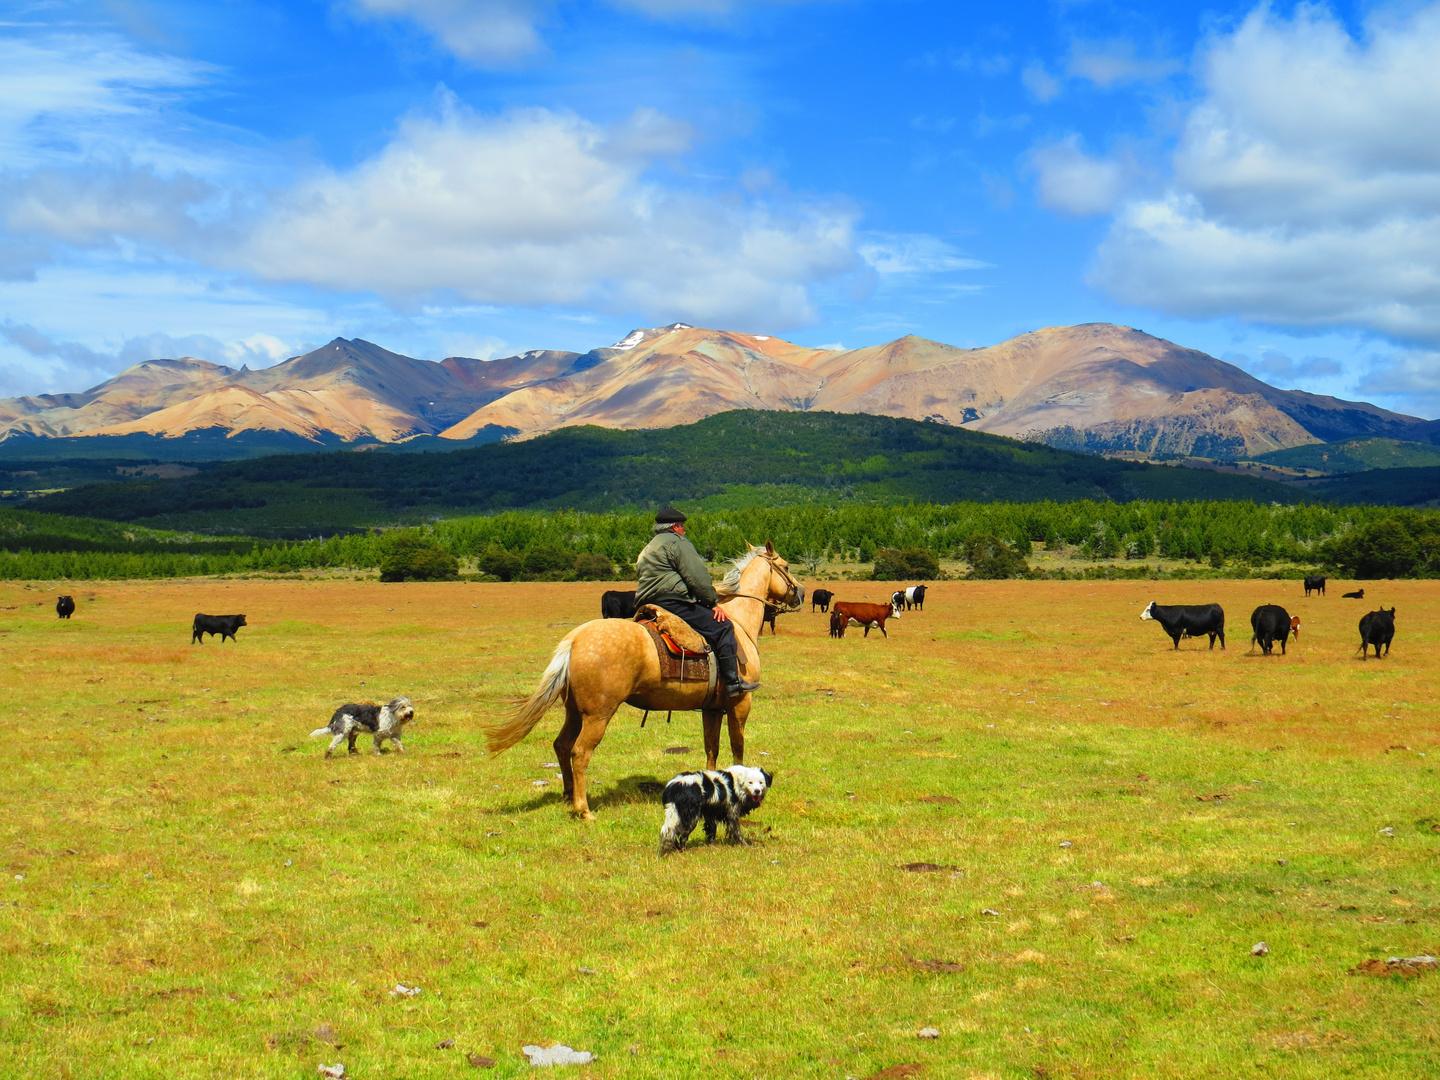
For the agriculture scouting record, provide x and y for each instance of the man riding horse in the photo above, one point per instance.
(674, 577)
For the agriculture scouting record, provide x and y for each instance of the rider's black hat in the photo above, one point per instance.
(669, 516)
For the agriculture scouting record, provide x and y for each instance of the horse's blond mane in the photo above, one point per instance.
(730, 584)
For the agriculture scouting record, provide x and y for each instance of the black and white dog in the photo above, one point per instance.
(382, 721)
(726, 795)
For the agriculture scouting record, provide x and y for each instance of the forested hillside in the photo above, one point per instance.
(732, 459)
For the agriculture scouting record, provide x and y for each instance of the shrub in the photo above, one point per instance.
(895, 564)
(499, 563)
(991, 558)
(594, 567)
(544, 560)
(412, 558)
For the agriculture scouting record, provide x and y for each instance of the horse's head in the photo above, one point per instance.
(781, 589)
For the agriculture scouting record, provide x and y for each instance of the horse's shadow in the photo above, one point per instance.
(628, 791)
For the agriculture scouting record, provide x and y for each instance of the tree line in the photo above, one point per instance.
(1361, 542)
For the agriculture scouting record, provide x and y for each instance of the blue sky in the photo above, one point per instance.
(243, 180)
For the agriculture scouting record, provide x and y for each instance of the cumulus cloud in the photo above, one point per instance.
(68, 364)
(1071, 181)
(544, 208)
(1276, 367)
(1306, 184)
(1411, 375)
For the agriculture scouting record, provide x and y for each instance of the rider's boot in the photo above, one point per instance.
(729, 670)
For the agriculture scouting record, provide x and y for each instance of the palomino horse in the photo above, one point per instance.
(605, 662)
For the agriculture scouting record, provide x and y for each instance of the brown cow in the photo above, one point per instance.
(866, 615)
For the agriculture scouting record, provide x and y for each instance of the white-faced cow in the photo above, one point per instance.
(1272, 623)
(1189, 621)
(1314, 584)
(1377, 628)
(866, 615)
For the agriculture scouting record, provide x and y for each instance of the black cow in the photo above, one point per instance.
(915, 597)
(1185, 621)
(1315, 583)
(224, 625)
(1272, 623)
(770, 612)
(1358, 594)
(821, 597)
(65, 607)
(617, 605)
(1377, 628)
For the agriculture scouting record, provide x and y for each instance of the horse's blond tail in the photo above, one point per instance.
(553, 685)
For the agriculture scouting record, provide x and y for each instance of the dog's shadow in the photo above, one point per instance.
(628, 791)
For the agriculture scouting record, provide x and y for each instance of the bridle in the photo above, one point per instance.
(790, 581)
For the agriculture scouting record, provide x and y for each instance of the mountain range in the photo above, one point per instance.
(1095, 387)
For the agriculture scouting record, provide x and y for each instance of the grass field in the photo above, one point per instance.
(192, 891)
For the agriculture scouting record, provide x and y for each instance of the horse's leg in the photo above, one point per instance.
(736, 716)
(710, 718)
(564, 743)
(592, 730)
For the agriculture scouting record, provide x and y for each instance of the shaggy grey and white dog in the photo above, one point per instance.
(715, 795)
(382, 721)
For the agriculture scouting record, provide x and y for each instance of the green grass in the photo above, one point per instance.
(156, 792)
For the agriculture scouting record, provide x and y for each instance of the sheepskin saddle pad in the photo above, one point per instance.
(682, 651)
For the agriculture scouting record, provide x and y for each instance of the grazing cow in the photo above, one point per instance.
(617, 605)
(224, 625)
(866, 615)
(65, 607)
(821, 597)
(769, 617)
(915, 597)
(897, 600)
(1377, 628)
(1315, 584)
(1358, 594)
(837, 624)
(1189, 621)
(1272, 623)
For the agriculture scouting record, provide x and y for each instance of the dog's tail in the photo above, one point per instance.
(553, 686)
(320, 731)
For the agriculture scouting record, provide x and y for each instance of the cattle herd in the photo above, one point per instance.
(1269, 623)
(615, 604)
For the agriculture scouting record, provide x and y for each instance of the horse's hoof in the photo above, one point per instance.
(586, 815)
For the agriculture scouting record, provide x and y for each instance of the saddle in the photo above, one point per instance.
(682, 651)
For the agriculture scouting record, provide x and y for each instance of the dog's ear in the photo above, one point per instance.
(769, 777)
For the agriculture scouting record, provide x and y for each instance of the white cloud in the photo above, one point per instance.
(545, 208)
(1115, 63)
(1411, 375)
(485, 32)
(71, 95)
(1306, 185)
(1071, 181)
(1042, 85)
(1280, 369)
(493, 33)
(914, 253)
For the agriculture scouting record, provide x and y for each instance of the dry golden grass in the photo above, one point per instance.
(202, 893)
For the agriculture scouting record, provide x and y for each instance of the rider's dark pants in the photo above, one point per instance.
(720, 636)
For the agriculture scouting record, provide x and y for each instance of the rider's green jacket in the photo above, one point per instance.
(671, 567)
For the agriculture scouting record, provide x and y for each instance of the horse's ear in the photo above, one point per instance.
(769, 548)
